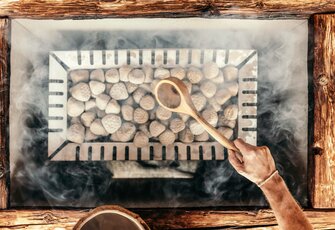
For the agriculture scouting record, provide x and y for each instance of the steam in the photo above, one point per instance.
(282, 111)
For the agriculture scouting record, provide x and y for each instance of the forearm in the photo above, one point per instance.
(287, 212)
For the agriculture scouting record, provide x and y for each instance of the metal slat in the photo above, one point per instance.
(85, 59)
(183, 57)
(146, 57)
(110, 58)
(171, 58)
(158, 57)
(122, 57)
(196, 57)
(134, 58)
(97, 59)
(208, 55)
(220, 57)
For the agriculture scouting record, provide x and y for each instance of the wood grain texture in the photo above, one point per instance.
(166, 8)
(323, 195)
(4, 110)
(162, 219)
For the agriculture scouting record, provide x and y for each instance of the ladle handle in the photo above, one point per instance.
(216, 134)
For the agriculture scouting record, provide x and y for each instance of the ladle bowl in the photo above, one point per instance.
(172, 94)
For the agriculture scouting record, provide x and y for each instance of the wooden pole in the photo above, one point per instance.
(323, 195)
(164, 8)
(162, 219)
(4, 112)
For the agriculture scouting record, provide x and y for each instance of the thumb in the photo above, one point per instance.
(234, 161)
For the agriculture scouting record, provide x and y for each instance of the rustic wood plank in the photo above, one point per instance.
(162, 219)
(323, 195)
(166, 8)
(4, 105)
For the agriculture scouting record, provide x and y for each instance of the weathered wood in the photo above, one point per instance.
(161, 219)
(4, 105)
(323, 195)
(166, 8)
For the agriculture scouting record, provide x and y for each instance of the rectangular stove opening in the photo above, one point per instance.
(88, 130)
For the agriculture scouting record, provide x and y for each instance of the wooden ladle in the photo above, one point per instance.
(172, 94)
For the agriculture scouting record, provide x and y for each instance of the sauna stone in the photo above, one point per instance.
(184, 116)
(97, 87)
(153, 85)
(126, 132)
(136, 76)
(90, 104)
(232, 87)
(89, 136)
(196, 128)
(222, 96)
(199, 101)
(76, 133)
(147, 102)
(97, 128)
(97, 75)
(113, 107)
(149, 74)
(194, 75)
(75, 107)
(210, 116)
(163, 114)
(112, 76)
(111, 122)
(167, 137)
(186, 136)
(218, 79)
(178, 72)
(145, 128)
(156, 128)
(227, 132)
(162, 73)
(208, 88)
(127, 112)
(188, 85)
(141, 140)
(138, 94)
(177, 125)
(214, 104)
(231, 112)
(230, 73)
(79, 76)
(124, 73)
(102, 101)
(87, 118)
(119, 91)
(140, 116)
(131, 87)
(210, 70)
(81, 92)
(202, 137)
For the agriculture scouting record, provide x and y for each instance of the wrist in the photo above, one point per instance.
(275, 183)
(268, 178)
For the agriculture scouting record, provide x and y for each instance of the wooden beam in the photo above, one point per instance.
(4, 112)
(161, 219)
(166, 8)
(323, 195)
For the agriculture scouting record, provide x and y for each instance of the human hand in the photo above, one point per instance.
(254, 163)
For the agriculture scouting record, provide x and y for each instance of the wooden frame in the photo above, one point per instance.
(159, 8)
(322, 174)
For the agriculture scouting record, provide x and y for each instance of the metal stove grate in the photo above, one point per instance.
(60, 62)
